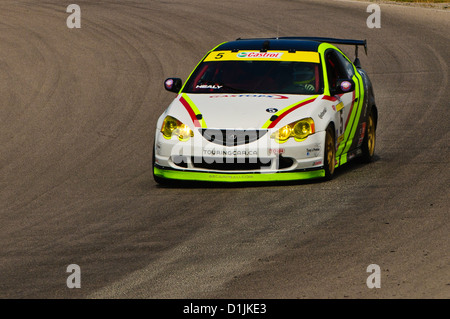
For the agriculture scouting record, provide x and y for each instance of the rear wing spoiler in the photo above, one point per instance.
(356, 43)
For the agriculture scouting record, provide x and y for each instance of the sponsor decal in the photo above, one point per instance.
(208, 86)
(231, 177)
(340, 106)
(312, 151)
(169, 84)
(346, 86)
(299, 56)
(363, 129)
(271, 110)
(317, 163)
(270, 96)
(276, 151)
(362, 132)
(215, 152)
(322, 113)
(260, 55)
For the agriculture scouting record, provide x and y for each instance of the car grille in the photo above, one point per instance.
(230, 137)
(238, 164)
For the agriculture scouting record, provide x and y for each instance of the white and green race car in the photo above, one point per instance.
(272, 109)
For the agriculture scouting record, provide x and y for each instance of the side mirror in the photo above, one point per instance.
(173, 84)
(344, 86)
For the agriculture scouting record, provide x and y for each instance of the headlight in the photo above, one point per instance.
(298, 130)
(171, 126)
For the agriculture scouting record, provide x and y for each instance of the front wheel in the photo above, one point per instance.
(330, 154)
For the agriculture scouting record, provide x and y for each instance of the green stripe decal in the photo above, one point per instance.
(354, 120)
(218, 177)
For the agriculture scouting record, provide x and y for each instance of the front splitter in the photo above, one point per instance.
(233, 177)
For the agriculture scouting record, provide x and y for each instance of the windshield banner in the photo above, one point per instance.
(298, 56)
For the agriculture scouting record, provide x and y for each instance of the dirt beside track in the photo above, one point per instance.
(77, 120)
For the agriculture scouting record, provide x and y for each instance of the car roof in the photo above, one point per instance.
(284, 44)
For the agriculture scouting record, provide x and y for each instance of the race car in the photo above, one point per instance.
(267, 109)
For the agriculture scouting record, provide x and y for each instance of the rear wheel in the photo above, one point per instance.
(368, 145)
(330, 154)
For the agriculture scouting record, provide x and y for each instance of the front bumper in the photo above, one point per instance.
(262, 160)
(232, 177)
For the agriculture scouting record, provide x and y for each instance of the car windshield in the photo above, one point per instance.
(283, 77)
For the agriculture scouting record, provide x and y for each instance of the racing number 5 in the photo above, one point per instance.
(219, 56)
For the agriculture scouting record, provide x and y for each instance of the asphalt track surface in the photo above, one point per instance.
(78, 111)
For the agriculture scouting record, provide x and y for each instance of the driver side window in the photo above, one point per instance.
(335, 69)
(347, 65)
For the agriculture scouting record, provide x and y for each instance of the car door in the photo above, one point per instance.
(337, 70)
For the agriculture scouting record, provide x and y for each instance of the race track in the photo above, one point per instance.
(78, 114)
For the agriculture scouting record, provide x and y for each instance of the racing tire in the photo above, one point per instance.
(329, 154)
(368, 145)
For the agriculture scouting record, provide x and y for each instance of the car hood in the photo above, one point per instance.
(239, 111)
